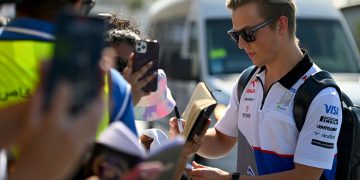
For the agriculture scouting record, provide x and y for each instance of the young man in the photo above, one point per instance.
(265, 29)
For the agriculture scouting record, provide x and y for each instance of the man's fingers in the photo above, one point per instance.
(197, 165)
(130, 62)
(140, 73)
(146, 80)
(173, 122)
(203, 132)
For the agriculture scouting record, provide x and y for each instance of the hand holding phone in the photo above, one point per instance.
(147, 51)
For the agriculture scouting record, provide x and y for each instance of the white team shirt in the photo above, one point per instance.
(267, 122)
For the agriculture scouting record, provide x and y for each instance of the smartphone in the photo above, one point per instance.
(78, 47)
(145, 52)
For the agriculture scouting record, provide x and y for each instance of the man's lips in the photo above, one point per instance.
(251, 54)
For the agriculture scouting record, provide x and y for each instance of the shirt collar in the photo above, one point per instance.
(295, 73)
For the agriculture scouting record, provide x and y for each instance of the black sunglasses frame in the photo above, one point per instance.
(247, 33)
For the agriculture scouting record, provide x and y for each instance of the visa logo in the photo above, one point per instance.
(330, 109)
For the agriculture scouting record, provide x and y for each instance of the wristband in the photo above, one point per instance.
(235, 176)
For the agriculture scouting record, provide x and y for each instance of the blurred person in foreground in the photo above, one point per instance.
(265, 29)
(49, 143)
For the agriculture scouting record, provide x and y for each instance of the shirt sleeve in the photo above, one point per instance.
(228, 125)
(317, 140)
(122, 101)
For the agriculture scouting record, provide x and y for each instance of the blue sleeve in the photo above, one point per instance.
(122, 101)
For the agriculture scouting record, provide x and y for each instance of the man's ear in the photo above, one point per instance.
(283, 25)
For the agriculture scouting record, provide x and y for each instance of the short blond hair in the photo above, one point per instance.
(269, 9)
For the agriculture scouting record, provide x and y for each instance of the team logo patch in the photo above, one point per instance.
(284, 101)
(322, 144)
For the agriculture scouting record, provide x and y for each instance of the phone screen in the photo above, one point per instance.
(78, 46)
(146, 51)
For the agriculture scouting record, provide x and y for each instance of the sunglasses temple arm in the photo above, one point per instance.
(262, 24)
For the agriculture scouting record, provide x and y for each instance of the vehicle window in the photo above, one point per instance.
(327, 44)
(325, 41)
(224, 57)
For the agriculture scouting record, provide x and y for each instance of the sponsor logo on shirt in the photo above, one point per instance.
(304, 78)
(250, 91)
(327, 128)
(249, 99)
(293, 90)
(329, 120)
(246, 115)
(254, 82)
(330, 109)
(328, 136)
(322, 144)
(250, 172)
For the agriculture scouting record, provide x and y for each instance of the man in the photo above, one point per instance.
(50, 142)
(265, 29)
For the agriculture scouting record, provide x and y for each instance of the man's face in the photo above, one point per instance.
(262, 50)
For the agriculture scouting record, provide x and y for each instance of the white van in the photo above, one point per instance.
(195, 46)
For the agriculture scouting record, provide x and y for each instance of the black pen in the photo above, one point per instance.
(177, 114)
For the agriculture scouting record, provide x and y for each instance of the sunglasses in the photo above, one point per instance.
(247, 33)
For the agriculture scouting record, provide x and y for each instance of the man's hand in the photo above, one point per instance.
(190, 147)
(205, 172)
(134, 79)
(174, 127)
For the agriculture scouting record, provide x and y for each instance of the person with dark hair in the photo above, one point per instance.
(122, 36)
(265, 29)
(49, 143)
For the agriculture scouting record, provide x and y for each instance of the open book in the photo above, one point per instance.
(198, 111)
(120, 148)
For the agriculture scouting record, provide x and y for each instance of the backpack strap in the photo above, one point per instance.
(307, 92)
(244, 79)
(246, 163)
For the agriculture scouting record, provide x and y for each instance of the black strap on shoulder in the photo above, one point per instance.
(244, 79)
(307, 92)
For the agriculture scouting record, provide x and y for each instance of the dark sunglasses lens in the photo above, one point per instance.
(234, 37)
(247, 35)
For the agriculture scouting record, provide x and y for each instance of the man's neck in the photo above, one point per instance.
(288, 57)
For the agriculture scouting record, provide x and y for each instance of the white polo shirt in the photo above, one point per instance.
(267, 122)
